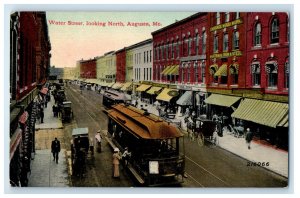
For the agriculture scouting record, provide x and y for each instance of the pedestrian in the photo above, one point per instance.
(55, 149)
(136, 103)
(42, 115)
(116, 163)
(54, 110)
(126, 155)
(98, 141)
(249, 137)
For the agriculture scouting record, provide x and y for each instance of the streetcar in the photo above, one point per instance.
(156, 147)
(111, 97)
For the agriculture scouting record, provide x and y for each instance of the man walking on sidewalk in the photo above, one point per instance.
(55, 149)
(249, 136)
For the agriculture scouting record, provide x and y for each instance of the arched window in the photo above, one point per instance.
(203, 42)
(227, 16)
(257, 34)
(197, 44)
(275, 30)
(218, 17)
(286, 74)
(196, 72)
(236, 40)
(255, 71)
(189, 46)
(272, 73)
(167, 51)
(172, 49)
(225, 42)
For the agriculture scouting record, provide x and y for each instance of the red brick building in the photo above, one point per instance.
(267, 64)
(88, 68)
(29, 68)
(180, 51)
(121, 65)
(226, 50)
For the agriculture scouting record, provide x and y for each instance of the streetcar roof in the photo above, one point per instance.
(147, 126)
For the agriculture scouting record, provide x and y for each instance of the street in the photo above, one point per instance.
(206, 166)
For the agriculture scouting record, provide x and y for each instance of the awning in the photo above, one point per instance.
(127, 86)
(174, 71)
(222, 71)
(15, 141)
(234, 68)
(185, 99)
(165, 70)
(221, 100)
(284, 122)
(169, 70)
(23, 118)
(167, 94)
(266, 113)
(143, 87)
(117, 85)
(154, 90)
(110, 84)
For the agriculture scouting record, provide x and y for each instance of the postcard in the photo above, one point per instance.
(149, 99)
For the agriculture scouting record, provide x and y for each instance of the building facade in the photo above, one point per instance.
(121, 65)
(129, 65)
(29, 69)
(88, 68)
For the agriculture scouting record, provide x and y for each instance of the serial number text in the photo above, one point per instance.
(258, 163)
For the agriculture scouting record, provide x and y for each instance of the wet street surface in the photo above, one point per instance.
(206, 166)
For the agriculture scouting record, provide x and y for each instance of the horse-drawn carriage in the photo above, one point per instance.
(79, 151)
(66, 111)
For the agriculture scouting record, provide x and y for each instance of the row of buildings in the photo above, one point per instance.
(226, 63)
(29, 68)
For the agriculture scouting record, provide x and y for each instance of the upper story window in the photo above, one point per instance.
(150, 59)
(275, 31)
(225, 42)
(216, 46)
(189, 46)
(172, 50)
(203, 71)
(237, 15)
(236, 40)
(218, 18)
(227, 16)
(177, 49)
(203, 42)
(272, 73)
(197, 44)
(167, 51)
(196, 72)
(257, 34)
(162, 52)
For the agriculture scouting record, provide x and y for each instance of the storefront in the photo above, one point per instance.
(141, 91)
(268, 120)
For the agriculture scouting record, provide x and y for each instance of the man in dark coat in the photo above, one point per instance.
(55, 149)
(249, 137)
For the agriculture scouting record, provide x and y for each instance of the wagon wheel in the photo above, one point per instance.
(200, 139)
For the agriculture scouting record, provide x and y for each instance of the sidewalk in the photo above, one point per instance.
(44, 171)
(277, 159)
(50, 122)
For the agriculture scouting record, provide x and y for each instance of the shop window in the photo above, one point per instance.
(275, 31)
(236, 40)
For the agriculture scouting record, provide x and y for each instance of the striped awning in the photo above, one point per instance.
(174, 71)
(143, 87)
(222, 71)
(127, 86)
(185, 99)
(154, 90)
(166, 94)
(266, 113)
(166, 68)
(221, 100)
(117, 85)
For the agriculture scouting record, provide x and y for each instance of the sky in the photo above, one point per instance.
(71, 43)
